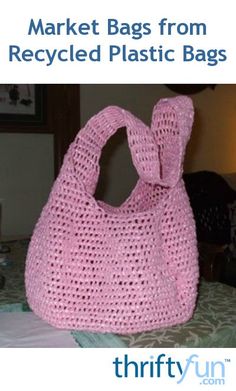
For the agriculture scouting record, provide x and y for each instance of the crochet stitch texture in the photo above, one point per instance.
(94, 267)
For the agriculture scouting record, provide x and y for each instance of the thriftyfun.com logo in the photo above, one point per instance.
(207, 372)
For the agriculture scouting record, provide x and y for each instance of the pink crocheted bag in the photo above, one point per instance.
(91, 266)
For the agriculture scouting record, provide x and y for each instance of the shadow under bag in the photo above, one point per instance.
(94, 267)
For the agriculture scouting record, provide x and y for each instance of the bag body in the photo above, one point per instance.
(94, 267)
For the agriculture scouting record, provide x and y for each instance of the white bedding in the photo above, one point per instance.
(26, 330)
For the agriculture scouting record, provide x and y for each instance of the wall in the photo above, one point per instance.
(212, 145)
(213, 142)
(26, 175)
(26, 160)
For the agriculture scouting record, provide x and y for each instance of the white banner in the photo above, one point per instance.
(122, 42)
(117, 369)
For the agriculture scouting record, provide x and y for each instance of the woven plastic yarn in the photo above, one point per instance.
(132, 268)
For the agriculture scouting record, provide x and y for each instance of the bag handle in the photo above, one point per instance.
(172, 121)
(157, 152)
(87, 147)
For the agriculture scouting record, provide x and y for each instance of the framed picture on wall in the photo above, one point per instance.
(22, 104)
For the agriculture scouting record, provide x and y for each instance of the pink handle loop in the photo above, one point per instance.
(172, 121)
(92, 138)
(157, 153)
